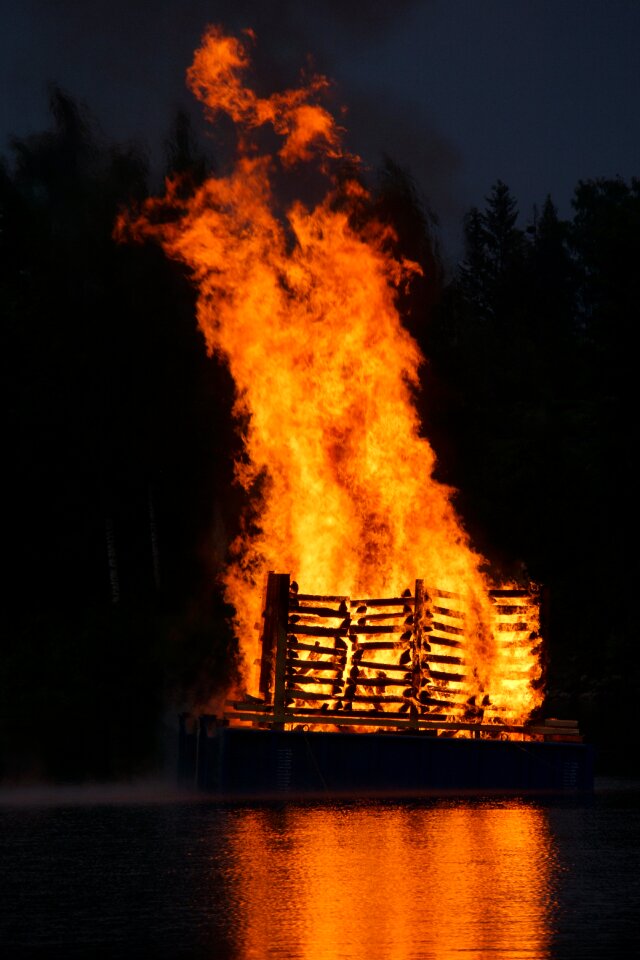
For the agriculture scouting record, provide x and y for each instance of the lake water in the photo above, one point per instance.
(148, 872)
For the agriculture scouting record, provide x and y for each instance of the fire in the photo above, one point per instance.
(302, 306)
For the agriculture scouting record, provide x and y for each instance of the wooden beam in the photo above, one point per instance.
(311, 630)
(445, 628)
(383, 602)
(295, 645)
(280, 615)
(327, 612)
(322, 598)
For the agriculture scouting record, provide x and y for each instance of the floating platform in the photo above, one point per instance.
(375, 697)
(248, 762)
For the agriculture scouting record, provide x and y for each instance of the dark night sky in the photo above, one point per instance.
(539, 93)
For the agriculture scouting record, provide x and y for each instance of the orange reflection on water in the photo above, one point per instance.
(395, 882)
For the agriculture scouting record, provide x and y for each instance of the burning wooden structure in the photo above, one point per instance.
(334, 668)
(390, 662)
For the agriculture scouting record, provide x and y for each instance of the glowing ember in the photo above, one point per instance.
(302, 307)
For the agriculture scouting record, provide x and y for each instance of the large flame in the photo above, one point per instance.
(303, 308)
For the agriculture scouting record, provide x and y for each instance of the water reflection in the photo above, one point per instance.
(392, 881)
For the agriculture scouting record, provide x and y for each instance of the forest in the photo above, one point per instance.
(120, 502)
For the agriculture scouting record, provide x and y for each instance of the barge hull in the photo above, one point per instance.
(239, 762)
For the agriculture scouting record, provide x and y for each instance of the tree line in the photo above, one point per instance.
(120, 499)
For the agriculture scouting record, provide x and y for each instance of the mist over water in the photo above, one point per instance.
(144, 870)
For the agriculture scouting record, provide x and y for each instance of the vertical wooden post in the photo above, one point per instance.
(280, 630)
(416, 649)
(267, 661)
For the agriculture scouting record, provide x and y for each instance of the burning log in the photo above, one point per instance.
(295, 644)
(413, 688)
(374, 665)
(446, 628)
(311, 630)
(494, 594)
(383, 602)
(444, 658)
(326, 612)
(314, 665)
(394, 615)
(446, 612)
(444, 641)
(449, 677)
(381, 645)
(321, 598)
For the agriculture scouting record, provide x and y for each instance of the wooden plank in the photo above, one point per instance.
(321, 598)
(269, 640)
(382, 616)
(512, 627)
(314, 664)
(326, 612)
(389, 719)
(443, 658)
(299, 645)
(447, 612)
(309, 695)
(304, 678)
(449, 677)
(382, 645)
(375, 698)
(310, 630)
(446, 628)
(379, 682)
(508, 611)
(372, 665)
(442, 641)
(375, 628)
(510, 593)
(281, 615)
(383, 602)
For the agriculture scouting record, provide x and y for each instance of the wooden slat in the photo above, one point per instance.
(382, 645)
(372, 665)
(308, 695)
(351, 718)
(303, 678)
(321, 598)
(300, 645)
(307, 630)
(383, 602)
(379, 682)
(314, 664)
(382, 616)
(376, 628)
(281, 610)
(510, 593)
(446, 628)
(326, 612)
(449, 677)
(376, 698)
(269, 640)
(443, 658)
(446, 612)
(442, 641)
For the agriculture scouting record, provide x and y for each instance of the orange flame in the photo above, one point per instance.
(302, 307)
